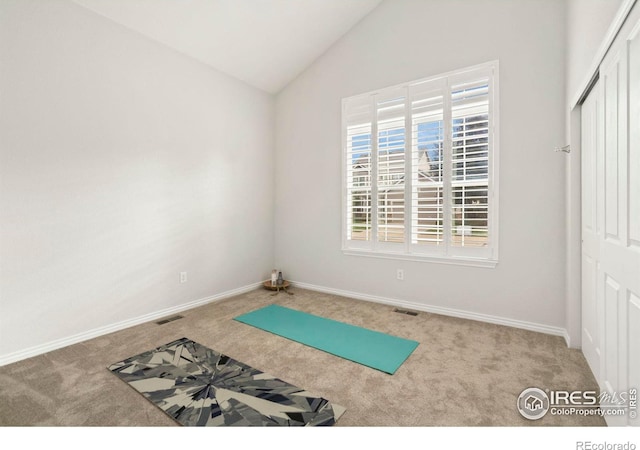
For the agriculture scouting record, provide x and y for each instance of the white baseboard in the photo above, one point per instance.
(531, 326)
(101, 331)
(59, 343)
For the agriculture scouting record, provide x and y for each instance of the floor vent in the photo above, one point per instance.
(168, 319)
(405, 311)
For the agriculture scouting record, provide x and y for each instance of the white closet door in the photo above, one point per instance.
(633, 212)
(611, 220)
(591, 310)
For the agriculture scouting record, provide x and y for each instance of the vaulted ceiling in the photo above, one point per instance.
(265, 43)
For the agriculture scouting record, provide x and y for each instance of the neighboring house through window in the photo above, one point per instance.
(420, 172)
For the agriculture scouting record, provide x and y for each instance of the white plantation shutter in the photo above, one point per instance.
(390, 164)
(470, 163)
(427, 146)
(419, 172)
(357, 117)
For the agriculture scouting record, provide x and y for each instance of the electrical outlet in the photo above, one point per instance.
(183, 277)
(400, 274)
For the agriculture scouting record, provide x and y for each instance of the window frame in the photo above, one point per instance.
(407, 250)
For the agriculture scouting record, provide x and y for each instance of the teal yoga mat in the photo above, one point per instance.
(371, 348)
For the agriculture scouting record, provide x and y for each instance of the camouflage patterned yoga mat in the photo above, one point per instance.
(198, 386)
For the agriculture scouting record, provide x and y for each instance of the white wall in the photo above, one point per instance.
(122, 163)
(404, 40)
(587, 24)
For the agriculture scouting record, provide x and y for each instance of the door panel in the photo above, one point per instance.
(611, 326)
(611, 79)
(633, 208)
(590, 328)
(634, 139)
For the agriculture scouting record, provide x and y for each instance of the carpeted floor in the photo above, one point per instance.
(463, 373)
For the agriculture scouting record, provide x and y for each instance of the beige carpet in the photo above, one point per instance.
(463, 373)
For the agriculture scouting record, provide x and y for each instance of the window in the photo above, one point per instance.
(420, 178)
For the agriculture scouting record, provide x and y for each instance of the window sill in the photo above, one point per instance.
(458, 261)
